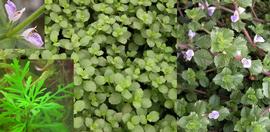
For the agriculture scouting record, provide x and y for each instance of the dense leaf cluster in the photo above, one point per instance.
(229, 70)
(124, 62)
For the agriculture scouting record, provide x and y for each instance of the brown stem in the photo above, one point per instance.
(225, 8)
(265, 111)
(252, 9)
(200, 91)
(248, 37)
(210, 70)
(179, 10)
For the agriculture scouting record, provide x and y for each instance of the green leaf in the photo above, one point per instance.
(249, 97)
(78, 122)
(245, 3)
(256, 67)
(190, 76)
(221, 39)
(195, 13)
(214, 101)
(79, 106)
(100, 80)
(264, 46)
(223, 113)
(266, 87)
(193, 122)
(222, 60)
(203, 41)
(89, 86)
(115, 98)
(227, 80)
(203, 58)
(203, 80)
(153, 116)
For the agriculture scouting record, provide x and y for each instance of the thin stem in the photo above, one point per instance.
(200, 91)
(225, 8)
(26, 22)
(179, 10)
(206, 30)
(210, 70)
(253, 11)
(248, 37)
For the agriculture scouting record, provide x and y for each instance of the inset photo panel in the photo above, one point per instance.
(22, 24)
(36, 95)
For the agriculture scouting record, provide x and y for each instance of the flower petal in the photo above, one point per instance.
(10, 8)
(246, 62)
(241, 10)
(28, 31)
(33, 37)
(258, 38)
(191, 34)
(211, 10)
(235, 17)
(213, 115)
(17, 15)
(188, 54)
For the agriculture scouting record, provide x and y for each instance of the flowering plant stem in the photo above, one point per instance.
(23, 24)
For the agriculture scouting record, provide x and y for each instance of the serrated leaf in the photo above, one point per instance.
(203, 58)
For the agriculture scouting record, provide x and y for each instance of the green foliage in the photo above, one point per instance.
(223, 85)
(124, 61)
(227, 80)
(26, 106)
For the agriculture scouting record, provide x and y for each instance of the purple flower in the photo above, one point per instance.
(188, 54)
(213, 115)
(258, 38)
(33, 37)
(13, 14)
(246, 62)
(191, 34)
(235, 17)
(211, 10)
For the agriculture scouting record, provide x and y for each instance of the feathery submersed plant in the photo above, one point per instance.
(26, 106)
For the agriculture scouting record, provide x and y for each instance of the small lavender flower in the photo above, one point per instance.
(191, 34)
(13, 14)
(258, 38)
(211, 10)
(213, 115)
(188, 54)
(235, 17)
(33, 37)
(246, 62)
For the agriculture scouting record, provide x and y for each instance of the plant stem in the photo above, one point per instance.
(23, 24)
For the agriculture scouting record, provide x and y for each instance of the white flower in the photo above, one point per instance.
(191, 34)
(188, 54)
(213, 115)
(246, 62)
(211, 10)
(258, 38)
(201, 5)
(241, 10)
